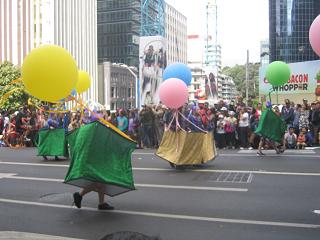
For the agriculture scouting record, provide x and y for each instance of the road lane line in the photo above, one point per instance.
(14, 235)
(169, 216)
(174, 170)
(11, 176)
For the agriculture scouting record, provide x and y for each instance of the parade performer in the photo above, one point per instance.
(100, 161)
(183, 148)
(271, 128)
(52, 140)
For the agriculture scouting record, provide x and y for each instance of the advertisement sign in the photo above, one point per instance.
(211, 86)
(153, 61)
(302, 80)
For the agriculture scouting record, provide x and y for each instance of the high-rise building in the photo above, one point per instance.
(16, 30)
(26, 24)
(119, 26)
(289, 23)
(264, 52)
(176, 36)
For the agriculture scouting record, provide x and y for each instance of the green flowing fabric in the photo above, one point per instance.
(271, 126)
(52, 142)
(100, 155)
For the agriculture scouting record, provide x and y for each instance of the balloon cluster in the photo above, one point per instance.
(173, 92)
(50, 73)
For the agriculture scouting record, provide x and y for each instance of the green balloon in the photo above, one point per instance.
(278, 73)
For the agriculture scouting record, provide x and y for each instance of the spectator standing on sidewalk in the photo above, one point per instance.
(287, 113)
(243, 128)
(315, 120)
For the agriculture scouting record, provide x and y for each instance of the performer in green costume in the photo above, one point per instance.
(272, 128)
(100, 161)
(52, 140)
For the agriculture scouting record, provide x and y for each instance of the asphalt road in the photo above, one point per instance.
(237, 196)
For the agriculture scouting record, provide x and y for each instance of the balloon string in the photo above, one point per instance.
(192, 123)
(18, 80)
(8, 94)
(169, 125)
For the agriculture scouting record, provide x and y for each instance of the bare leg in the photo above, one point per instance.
(261, 143)
(88, 189)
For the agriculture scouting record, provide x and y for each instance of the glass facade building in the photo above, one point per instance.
(119, 25)
(119, 28)
(289, 23)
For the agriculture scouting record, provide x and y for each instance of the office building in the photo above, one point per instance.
(117, 86)
(264, 52)
(289, 23)
(27, 24)
(119, 26)
(176, 36)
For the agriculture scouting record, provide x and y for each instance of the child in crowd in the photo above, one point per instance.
(301, 140)
(290, 139)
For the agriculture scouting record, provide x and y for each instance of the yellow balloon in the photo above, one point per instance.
(49, 73)
(84, 82)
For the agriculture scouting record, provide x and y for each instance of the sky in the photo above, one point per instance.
(242, 24)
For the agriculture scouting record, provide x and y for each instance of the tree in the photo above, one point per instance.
(8, 73)
(238, 73)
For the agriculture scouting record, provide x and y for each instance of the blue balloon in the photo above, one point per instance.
(178, 70)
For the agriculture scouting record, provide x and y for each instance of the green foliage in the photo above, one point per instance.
(238, 73)
(8, 73)
(318, 76)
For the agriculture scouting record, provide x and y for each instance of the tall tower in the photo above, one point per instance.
(152, 18)
(212, 49)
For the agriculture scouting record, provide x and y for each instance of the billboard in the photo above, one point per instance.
(211, 87)
(153, 61)
(302, 80)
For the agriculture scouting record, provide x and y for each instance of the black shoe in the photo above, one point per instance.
(45, 158)
(260, 153)
(57, 158)
(77, 198)
(105, 206)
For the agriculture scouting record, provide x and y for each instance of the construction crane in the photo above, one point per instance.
(152, 18)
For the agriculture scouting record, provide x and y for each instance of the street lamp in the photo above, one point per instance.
(131, 70)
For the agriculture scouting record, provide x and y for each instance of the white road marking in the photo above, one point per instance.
(269, 155)
(6, 175)
(302, 151)
(171, 170)
(170, 216)
(13, 176)
(316, 211)
(13, 235)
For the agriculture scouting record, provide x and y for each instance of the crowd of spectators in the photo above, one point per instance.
(232, 125)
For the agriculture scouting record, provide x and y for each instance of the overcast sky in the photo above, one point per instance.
(242, 24)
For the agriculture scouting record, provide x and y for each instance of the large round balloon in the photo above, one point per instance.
(173, 93)
(178, 70)
(84, 82)
(278, 73)
(49, 73)
(314, 35)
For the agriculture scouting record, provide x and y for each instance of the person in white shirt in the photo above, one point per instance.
(243, 127)
(290, 139)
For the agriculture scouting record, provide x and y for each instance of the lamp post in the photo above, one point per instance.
(136, 80)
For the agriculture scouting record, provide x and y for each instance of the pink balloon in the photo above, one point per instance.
(173, 92)
(314, 35)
